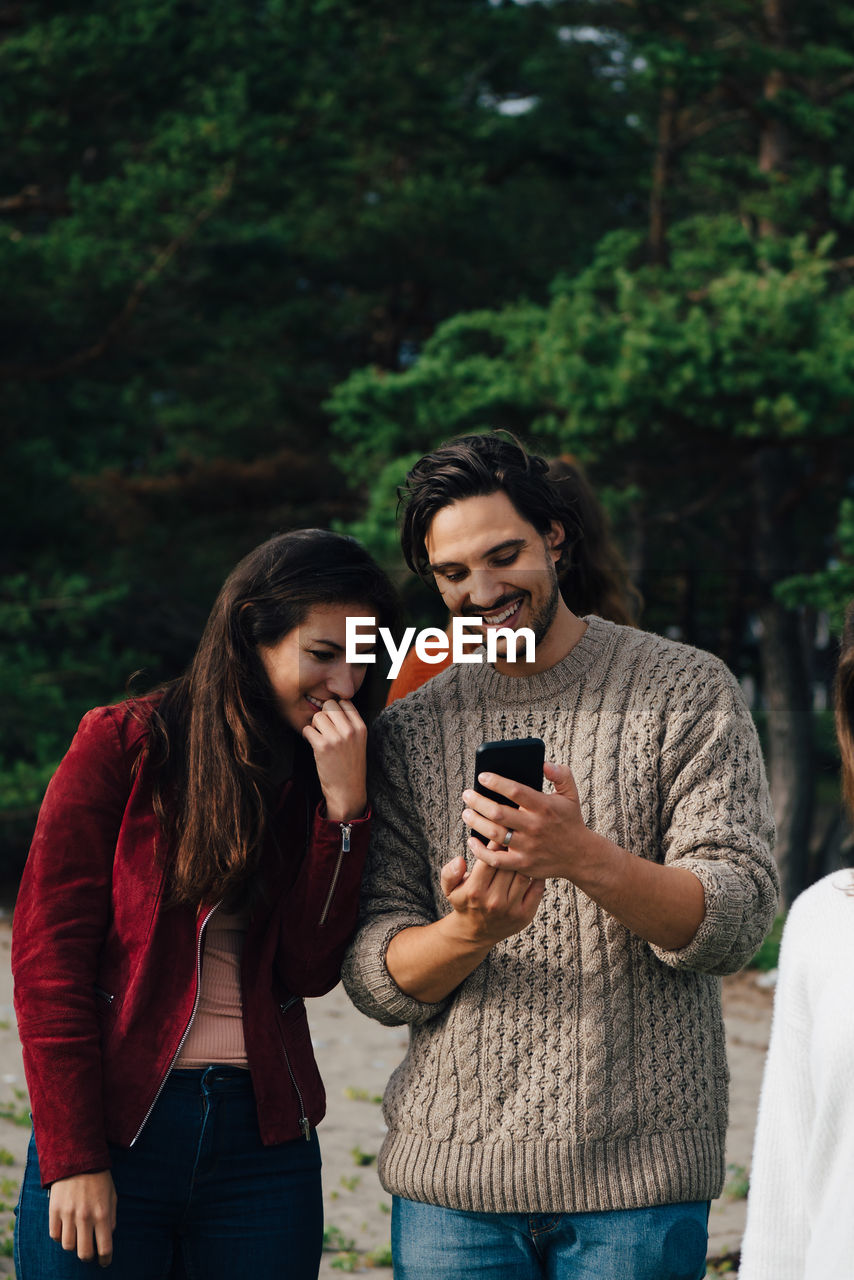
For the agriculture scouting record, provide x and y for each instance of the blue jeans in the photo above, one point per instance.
(199, 1195)
(666, 1242)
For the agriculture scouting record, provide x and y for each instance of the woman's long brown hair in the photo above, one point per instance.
(216, 741)
(844, 707)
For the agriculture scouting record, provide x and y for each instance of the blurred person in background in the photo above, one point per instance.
(594, 580)
(800, 1224)
(193, 875)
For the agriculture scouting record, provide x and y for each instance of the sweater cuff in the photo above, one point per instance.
(734, 924)
(369, 983)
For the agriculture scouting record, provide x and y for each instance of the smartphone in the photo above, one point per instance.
(521, 759)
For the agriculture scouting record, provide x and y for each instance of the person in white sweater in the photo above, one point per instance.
(800, 1224)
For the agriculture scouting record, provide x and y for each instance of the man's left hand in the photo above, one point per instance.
(548, 830)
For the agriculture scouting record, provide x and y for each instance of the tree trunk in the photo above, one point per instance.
(785, 684)
(785, 680)
(661, 177)
(773, 140)
(634, 535)
(735, 588)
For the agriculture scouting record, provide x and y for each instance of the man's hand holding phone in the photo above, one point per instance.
(489, 903)
(548, 836)
(662, 904)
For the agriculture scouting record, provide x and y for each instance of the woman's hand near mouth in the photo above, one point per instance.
(338, 737)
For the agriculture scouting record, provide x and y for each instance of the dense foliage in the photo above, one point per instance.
(703, 368)
(622, 229)
(209, 215)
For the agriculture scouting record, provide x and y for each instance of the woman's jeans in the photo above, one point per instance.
(198, 1185)
(666, 1242)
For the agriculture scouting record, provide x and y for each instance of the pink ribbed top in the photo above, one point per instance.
(216, 1032)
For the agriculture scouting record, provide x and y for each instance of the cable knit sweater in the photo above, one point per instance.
(579, 1067)
(799, 1220)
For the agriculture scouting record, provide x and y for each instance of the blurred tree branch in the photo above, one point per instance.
(87, 355)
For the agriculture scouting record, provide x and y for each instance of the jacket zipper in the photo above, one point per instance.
(343, 848)
(189, 1024)
(303, 1118)
(103, 995)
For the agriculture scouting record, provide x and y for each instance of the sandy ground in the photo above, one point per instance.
(356, 1057)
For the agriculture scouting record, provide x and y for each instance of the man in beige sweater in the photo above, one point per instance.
(561, 1111)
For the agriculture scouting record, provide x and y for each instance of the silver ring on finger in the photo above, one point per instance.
(508, 837)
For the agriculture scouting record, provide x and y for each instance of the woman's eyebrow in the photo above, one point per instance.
(333, 644)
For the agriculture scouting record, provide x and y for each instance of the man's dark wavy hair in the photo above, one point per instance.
(591, 571)
(475, 466)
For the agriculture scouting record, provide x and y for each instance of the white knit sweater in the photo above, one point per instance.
(800, 1212)
(578, 1068)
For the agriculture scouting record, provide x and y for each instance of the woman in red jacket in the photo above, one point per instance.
(194, 874)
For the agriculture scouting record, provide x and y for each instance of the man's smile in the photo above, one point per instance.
(506, 613)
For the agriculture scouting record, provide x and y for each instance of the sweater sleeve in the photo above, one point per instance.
(397, 890)
(61, 919)
(775, 1241)
(716, 818)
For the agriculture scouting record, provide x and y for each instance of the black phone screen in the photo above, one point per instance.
(518, 758)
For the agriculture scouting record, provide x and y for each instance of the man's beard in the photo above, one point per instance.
(543, 618)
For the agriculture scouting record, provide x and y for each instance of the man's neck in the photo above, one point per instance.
(561, 638)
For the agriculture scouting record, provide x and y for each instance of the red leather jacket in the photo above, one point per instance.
(106, 976)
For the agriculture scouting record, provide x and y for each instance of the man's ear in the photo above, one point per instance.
(556, 539)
